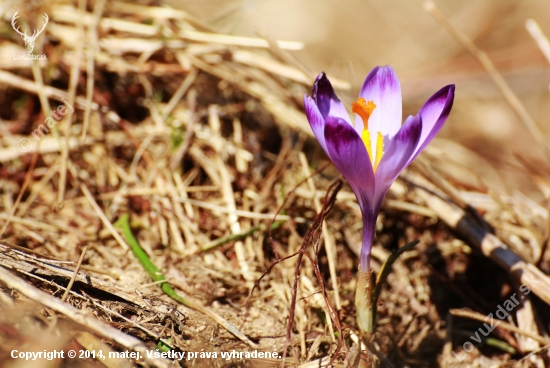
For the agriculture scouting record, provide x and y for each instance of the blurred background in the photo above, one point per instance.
(348, 38)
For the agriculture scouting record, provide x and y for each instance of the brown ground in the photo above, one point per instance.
(182, 131)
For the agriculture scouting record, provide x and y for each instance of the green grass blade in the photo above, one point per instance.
(384, 271)
(123, 223)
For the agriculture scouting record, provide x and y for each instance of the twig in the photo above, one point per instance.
(128, 320)
(528, 356)
(487, 243)
(42, 278)
(41, 89)
(103, 218)
(66, 294)
(329, 243)
(430, 174)
(29, 86)
(182, 89)
(526, 321)
(242, 213)
(37, 188)
(539, 37)
(181, 151)
(21, 192)
(480, 317)
(227, 191)
(90, 65)
(237, 40)
(73, 82)
(312, 236)
(20, 260)
(233, 237)
(45, 106)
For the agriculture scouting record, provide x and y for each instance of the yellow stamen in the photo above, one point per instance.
(364, 109)
(379, 150)
(365, 136)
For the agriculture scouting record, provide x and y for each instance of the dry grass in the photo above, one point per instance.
(201, 138)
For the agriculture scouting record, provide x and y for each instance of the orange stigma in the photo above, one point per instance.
(364, 109)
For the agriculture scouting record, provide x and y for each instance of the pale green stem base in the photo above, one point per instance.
(363, 301)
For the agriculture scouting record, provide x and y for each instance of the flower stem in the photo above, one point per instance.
(363, 300)
(369, 287)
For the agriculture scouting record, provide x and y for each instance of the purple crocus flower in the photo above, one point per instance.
(372, 152)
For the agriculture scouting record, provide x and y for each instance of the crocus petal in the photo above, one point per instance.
(434, 113)
(397, 156)
(326, 100)
(316, 121)
(382, 87)
(348, 153)
(344, 142)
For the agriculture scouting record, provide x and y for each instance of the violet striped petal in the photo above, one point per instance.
(316, 121)
(348, 153)
(434, 113)
(326, 100)
(397, 156)
(382, 87)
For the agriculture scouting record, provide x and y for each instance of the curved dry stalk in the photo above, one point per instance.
(313, 236)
